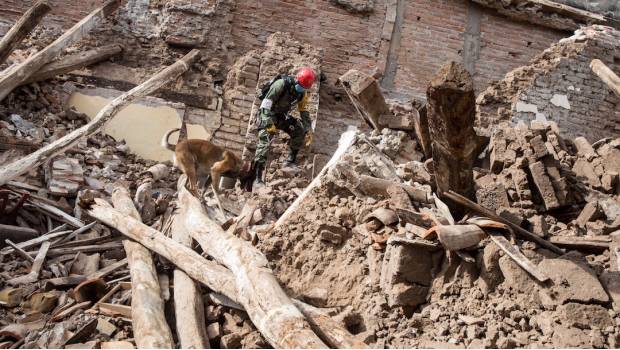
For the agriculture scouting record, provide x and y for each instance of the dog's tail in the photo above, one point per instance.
(164, 140)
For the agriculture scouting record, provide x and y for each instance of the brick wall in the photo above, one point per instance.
(559, 86)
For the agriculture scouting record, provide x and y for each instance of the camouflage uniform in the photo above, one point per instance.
(280, 99)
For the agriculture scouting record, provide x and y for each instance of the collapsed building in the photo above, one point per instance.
(470, 204)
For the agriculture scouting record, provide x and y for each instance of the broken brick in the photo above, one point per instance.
(544, 185)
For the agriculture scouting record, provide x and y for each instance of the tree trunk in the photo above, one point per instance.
(147, 307)
(76, 61)
(607, 75)
(188, 306)
(270, 309)
(209, 273)
(17, 75)
(20, 166)
(22, 28)
(451, 114)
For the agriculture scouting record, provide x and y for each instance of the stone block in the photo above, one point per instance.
(589, 213)
(573, 281)
(538, 147)
(585, 172)
(492, 196)
(584, 149)
(544, 186)
(406, 274)
(584, 316)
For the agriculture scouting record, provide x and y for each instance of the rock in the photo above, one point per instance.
(538, 146)
(231, 341)
(105, 327)
(332, 233)
(11, 297)
(517, 278)
(254, 341)
(572, 281)
(492, 196)
(584, 148)
(584, 316)
(610, 157)
(123, 344)
(585, 172)
(589, 212)
(568, 337)
(316, 296)
(214, 331)
(611, 282)
(609, 182)
(488, 263)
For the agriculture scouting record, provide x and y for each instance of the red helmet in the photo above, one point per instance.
(305, 77)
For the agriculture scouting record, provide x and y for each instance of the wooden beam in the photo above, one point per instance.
(461, 200)
(188, 305)
(451, 115)
(607, 75)
(73, 62)
(147, 307)
(258, 290)
(37, 264)
(20, 166)
(19, 74)
(22, 28)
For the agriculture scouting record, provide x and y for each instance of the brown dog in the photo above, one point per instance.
(200, 158)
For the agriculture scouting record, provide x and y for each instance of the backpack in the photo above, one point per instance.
(264, 89)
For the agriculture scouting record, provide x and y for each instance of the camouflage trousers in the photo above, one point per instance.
(292, 126)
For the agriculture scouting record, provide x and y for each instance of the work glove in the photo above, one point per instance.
(271, 129)
(308, 138)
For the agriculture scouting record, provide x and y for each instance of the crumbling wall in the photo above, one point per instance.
(559, 86)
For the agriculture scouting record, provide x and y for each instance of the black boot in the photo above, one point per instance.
(292, 157)
(258, 180)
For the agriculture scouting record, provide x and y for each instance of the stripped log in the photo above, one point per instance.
(188, 305)
(451, 115)
(19, 74)
(270, 309)
(347, 139)
(20, 166)
(209, 273)
(73, 62)
(147, 307)
(17, 233)
(607, 75)
(22, 28)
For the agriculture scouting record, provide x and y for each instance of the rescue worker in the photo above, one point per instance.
(274, 115)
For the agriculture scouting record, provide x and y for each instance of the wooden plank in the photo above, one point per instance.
(20, 251)
(109, 269)
(115, 310)
(518, 257)
(33, 275)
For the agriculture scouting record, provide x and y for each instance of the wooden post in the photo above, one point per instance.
(209, 273)
(16, 76)
(147, 307)
(22, 28)
(70, 63)
(20, 166)
(607, 75)
(451, 114)
(188, 306)
(270, 309)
